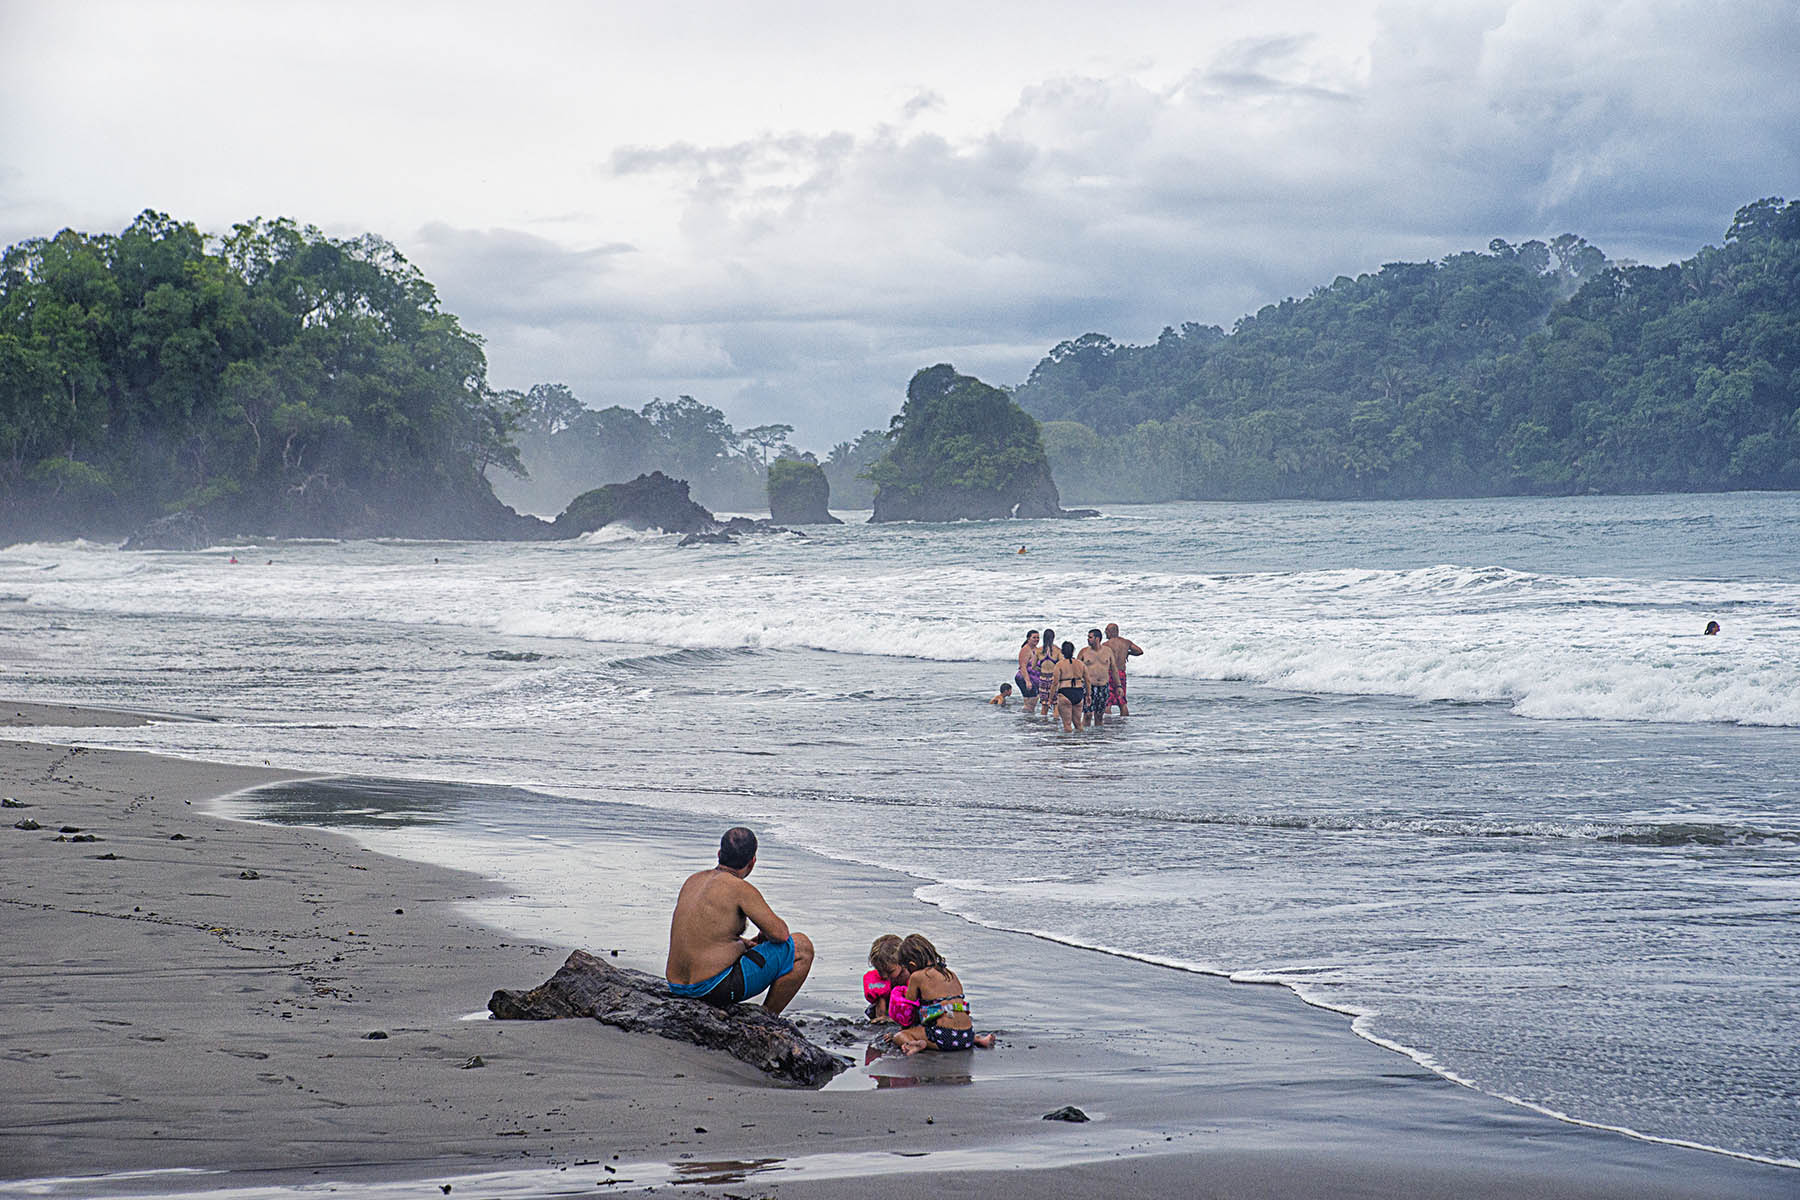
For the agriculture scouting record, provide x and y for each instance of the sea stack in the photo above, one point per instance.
(963, 451)
(652, 501)
(799, 493)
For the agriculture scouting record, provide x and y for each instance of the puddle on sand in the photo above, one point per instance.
(884, 1068)
(726, 1171)
(1069, 1148)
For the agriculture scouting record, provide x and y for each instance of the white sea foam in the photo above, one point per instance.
(613, 535)
(1551, 647)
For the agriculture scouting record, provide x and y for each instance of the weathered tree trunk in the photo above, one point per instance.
(640, 1003)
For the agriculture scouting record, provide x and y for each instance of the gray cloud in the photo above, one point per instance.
(814, 272)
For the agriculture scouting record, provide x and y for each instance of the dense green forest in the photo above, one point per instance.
(1536, 368)
(276, 379)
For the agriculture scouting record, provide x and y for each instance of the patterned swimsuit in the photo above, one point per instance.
(932, 1011)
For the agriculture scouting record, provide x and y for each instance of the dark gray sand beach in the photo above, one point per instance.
(195, 1004)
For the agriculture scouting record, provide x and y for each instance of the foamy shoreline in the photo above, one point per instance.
(146, 994)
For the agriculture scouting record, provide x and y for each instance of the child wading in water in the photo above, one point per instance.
(944, 1018)
(884, 986)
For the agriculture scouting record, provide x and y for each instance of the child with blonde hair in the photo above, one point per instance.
(884, 986)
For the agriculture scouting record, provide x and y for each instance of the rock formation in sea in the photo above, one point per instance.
(184, 530)
(962, 450)
(652, 501)
(425, 507)
(586, 986)
(799, 493)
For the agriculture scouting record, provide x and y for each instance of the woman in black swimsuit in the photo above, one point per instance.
(1071, 687)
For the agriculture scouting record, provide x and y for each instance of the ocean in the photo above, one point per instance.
(1466, 771)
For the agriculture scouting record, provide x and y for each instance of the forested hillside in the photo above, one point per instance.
(275, 380)
(1526, 369)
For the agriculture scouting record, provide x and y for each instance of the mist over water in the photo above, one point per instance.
(1468, 769)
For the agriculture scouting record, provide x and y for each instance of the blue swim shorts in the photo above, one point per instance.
(751, 975)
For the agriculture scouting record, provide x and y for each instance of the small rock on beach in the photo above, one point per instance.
(1067, 1112)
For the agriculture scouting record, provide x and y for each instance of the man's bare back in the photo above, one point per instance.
(706, 935)
(709, 956)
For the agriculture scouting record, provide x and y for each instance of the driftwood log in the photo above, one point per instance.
(640, 1003)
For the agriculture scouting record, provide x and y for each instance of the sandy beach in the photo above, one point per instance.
(200, 1005)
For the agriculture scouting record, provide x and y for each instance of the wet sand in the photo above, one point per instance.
(204, 999)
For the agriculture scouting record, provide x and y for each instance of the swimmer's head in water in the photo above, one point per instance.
(1712, 627)
(737, 848)
(1006, 689)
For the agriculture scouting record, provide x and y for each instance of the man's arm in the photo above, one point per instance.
(1132, 648)
(772, 927)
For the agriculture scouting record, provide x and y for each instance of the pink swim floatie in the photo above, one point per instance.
(875, 988)
(903, 1008)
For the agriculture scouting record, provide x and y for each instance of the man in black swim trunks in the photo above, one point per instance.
(1097, 663)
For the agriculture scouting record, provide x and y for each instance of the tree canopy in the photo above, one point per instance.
(1539, 367)
(293, 381)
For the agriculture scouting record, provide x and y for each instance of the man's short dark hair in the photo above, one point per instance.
(737, 848)
(1095, 633)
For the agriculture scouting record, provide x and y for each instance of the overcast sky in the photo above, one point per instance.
(785, 209)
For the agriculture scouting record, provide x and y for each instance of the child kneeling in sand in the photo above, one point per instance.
(884, 986)
(944, 1020)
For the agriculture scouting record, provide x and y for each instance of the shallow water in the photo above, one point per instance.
(1467, 769)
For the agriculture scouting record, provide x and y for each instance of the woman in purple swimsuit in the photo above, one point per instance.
(1027, 678)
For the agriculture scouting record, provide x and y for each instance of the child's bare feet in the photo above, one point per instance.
(912, 1048)
(985, 1040)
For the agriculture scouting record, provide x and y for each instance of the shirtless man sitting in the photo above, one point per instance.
(1121, 648)
(710, 959)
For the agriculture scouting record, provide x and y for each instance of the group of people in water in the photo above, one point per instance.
(1079, 686)
(710, 959)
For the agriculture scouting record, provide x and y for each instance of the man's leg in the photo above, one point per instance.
(786, 986)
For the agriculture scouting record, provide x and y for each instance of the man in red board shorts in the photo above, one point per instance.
(1121, 648)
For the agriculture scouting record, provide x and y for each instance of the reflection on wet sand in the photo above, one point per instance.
(915, 1072)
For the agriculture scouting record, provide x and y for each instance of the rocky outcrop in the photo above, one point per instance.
(799, 493)
(640, 1003)
(322, 507)
(178, 531)
(962, 450)
(728, 533)
(652, 501)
